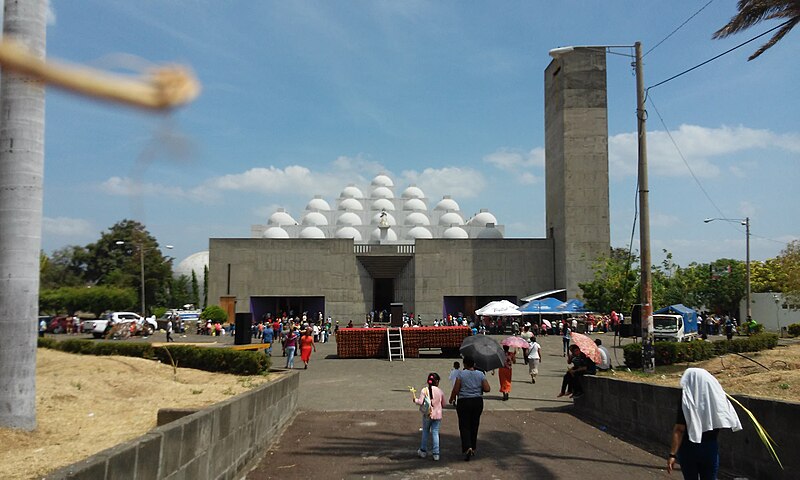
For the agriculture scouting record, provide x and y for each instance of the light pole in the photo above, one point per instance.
(777, 300)
(648, 351)
(140, 247)
(746, 222)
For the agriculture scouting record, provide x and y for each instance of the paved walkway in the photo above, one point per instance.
(356, 420)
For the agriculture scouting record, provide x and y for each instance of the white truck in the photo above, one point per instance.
(676, 323)
(100, 327)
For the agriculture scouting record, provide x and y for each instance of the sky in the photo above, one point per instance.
(304, 97)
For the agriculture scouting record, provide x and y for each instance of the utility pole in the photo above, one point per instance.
(648, 349)
(747, 266)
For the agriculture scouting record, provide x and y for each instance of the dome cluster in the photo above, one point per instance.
(380, 217)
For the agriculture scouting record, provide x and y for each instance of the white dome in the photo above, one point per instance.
(312, 232)
(314, 219)
(350, 204)
(418, 232)
(376, 219)
(275, 232)
(415, 204)
(451, 218)
(281, 218)
(382, 180)
(390, 235)
(490, 232)
(413, 191)
(455, 233)
(196, 263)
(317, 203)
(348, 232)
(383, 204)
(351, 191)
(382, 192)
(417, 219)
(348, 219)
(447, 203)
(482, 219)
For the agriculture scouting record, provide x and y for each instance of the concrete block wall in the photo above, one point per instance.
(646, 413)
(217, 442)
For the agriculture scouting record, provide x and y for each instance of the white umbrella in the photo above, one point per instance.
(501, 308)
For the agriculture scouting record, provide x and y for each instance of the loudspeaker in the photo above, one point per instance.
(636, 321)
(397, 314)
(244, 321)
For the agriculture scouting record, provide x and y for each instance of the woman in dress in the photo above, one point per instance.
(306, 345)
(469, 388)
(505, 372)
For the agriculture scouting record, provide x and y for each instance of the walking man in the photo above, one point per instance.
(169, 331)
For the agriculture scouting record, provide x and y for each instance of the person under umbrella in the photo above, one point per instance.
(469, 388)
(581, 365)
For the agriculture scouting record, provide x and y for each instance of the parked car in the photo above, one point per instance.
(98, 328)
(57, 324)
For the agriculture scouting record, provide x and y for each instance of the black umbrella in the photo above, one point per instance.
(487, 353)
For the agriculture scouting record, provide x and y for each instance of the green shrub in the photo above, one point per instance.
(224, 360)
(794, 329)
(668, 353)
(46, 342)
(214, 313)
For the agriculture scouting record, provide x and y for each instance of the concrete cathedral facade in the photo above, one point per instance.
(377, 249)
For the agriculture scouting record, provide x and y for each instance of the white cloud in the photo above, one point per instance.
(513, 160)
(128, 187)
(459, 182)
(67, 227)
(663, 220)
(699, 146)
(747, 209)
(51, 14)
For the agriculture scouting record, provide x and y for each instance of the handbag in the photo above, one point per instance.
(425, 408)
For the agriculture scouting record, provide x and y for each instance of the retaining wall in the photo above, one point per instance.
(645, 414)
(217, 442)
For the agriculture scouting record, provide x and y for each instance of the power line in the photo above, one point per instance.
(717, 56)
(697, 180)
(679, 27)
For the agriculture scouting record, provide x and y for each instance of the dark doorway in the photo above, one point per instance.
(261, 307)
(383, 294)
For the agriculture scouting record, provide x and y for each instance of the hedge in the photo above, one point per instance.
(794, 329)
(668, 353)
(222, 360)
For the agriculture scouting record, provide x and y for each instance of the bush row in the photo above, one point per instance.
(668, 353)
(222, 360)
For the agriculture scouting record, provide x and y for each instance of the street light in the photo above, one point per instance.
(746, 222)
(140, 246)
(648, 350)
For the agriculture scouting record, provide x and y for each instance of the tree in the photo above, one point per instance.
(119, 264)
(214, 313)
(66, 267)
(616, 283)
(96, 300)
(21, 175)
(789, 261)
(195, 290)
(767, 276)
(753, 12)
(205, 285)
(179, 291)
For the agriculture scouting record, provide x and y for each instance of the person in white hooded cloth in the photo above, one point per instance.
(703, 411)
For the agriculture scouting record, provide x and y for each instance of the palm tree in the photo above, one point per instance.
(21, 173)
(752, 12)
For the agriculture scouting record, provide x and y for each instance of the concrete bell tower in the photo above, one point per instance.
(576, 164)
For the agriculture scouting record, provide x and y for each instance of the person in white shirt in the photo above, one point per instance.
(605, 357)
(534, 359)
(454, 373)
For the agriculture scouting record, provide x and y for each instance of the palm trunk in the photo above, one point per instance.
(21, 172)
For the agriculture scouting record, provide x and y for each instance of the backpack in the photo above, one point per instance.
(426, 407)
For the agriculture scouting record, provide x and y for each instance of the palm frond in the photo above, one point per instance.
(762, 433)
(775, 38)
(752, 12)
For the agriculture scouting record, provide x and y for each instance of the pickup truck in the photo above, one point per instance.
(100, 327)
(675, 323)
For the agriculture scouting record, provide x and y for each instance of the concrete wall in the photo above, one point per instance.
(576, 167)
(645, 415)
(771, 310)
(215, 443)
(479, 267)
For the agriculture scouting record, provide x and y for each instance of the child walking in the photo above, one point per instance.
(431, 401)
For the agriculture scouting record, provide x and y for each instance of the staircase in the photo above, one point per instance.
(394, 337)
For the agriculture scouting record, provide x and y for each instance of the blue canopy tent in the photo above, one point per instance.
(572, 306)
(545, 305)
